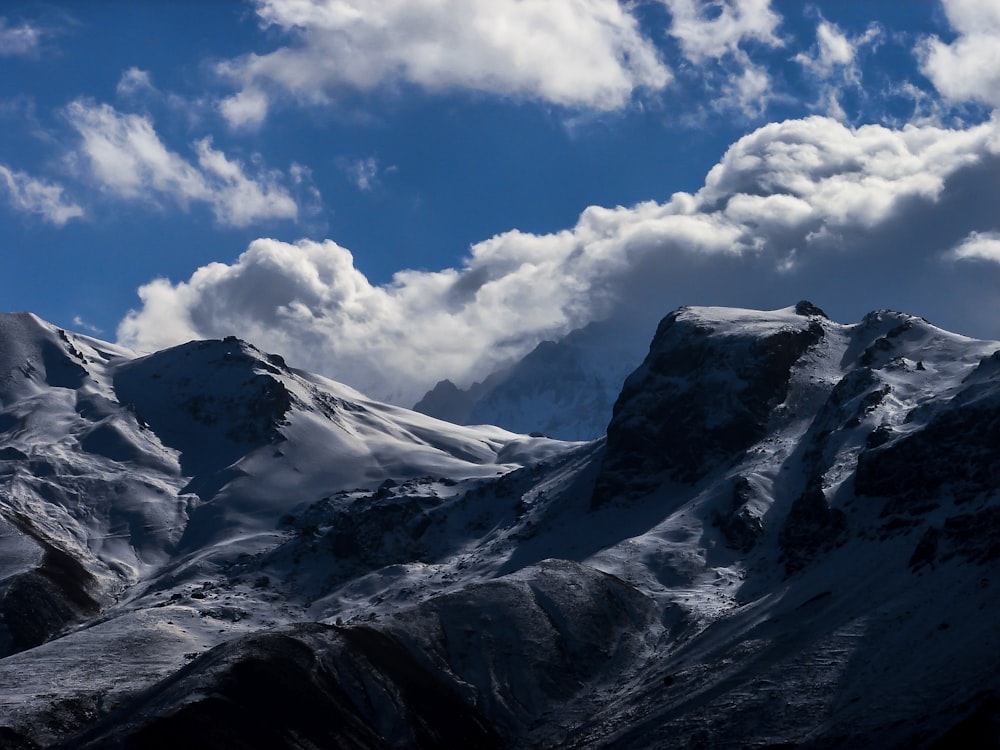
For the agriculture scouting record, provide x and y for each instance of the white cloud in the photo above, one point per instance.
(711, 34)
(833, 49)
(22, 40)
(133, 81)
(363, 173)
(30, 195)
(576, 53)
(833, 63)
(126, 157)
(967, 69)
(246, 109)
(137, 89)
(80, 323)
(715, 28)
(978, 246)
(793, 207)
(748, 91)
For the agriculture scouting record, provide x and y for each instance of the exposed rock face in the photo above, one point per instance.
(953, 455)
(37, 603)
(741, 522)
(974, 537)
(703, 395)
(811, 528)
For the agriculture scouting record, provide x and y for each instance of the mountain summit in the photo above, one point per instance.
(785, 539)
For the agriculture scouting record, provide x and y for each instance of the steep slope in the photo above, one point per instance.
(257, 438)
(88, 497)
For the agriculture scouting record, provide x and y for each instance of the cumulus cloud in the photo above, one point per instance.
(968, 68)
(124, 154)
(21, 40)
(978, 246)
(30, 195)
(791, 210)
(576, 53)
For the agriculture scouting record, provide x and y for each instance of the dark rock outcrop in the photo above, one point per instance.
(38, 603)
(703, 396)
(952, 457)
(308, 687)
(811, 528)
(740, 524)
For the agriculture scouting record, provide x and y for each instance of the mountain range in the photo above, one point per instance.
(786, 537)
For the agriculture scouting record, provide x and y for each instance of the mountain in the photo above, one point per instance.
(564, 389)
(786, 539)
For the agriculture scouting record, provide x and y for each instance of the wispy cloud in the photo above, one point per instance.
(125, 156)
(713, 38)
(748, 89)
(364, 172)
(80, 323)
(978, 246)
(833, 63)
(19, 40)
(714, 30)
(133, 81)
(31, 195)
(833, 49)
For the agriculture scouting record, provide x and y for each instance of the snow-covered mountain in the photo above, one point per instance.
(787, 538)
(564, 389)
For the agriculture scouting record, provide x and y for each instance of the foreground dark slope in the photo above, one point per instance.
(788, 538)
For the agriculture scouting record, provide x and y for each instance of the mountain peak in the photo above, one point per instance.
(805, 307)
(703, 395)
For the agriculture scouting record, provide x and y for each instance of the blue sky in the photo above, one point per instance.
(397, 191)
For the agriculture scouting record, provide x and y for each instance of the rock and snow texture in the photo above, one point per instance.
(788, 538)
(564, 389)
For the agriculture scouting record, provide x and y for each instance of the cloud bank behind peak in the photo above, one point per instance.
(861, 217)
